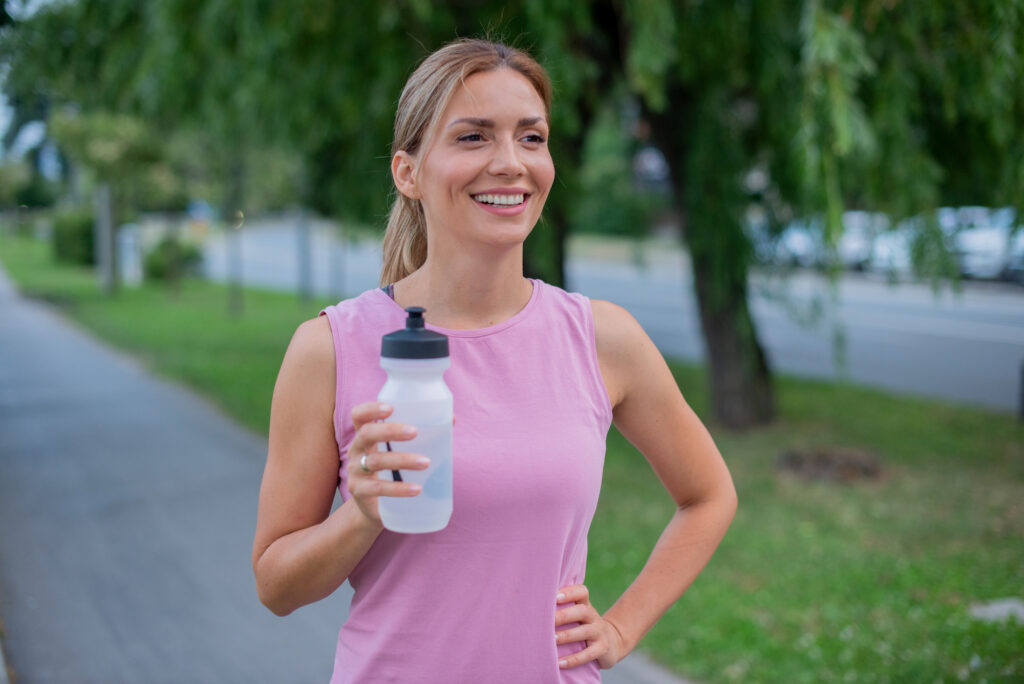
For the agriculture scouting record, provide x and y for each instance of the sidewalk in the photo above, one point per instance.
(127, 507)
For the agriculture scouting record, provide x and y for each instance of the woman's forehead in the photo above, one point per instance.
(495, 96)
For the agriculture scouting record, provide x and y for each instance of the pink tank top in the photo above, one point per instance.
(475, 602)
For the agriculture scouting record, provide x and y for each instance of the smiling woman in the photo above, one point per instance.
(537, 374)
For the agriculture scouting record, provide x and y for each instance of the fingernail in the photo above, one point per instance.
(415, 488)
(560, 597)
(563, 663)
(422, 460)
(384, 408)
(408, 430)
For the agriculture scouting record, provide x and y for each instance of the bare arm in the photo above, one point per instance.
(650, 411)
(302, 552)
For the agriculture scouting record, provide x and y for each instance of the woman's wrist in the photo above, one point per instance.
(625, 645)
(358, 520)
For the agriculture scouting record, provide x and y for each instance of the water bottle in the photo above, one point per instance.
(415, 360)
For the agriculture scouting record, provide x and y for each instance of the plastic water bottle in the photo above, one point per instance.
(415, 360)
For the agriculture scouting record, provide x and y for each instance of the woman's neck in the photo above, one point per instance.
(463, 291)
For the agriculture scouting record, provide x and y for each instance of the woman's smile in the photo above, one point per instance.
(503, 202)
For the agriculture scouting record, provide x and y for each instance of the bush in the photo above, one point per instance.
(74, 237)
(38, 192)
(172, 259)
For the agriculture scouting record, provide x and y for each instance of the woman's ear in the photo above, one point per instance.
(403, 171)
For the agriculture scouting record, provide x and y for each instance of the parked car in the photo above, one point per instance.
(860, 228)
(802, 243)
(982, 241)
(891, 252)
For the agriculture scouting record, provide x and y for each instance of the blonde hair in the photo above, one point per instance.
(423, 101)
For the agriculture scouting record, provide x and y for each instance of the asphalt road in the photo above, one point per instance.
(127, 509)
(964, 348)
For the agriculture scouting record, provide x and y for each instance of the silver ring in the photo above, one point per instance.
(362, 464)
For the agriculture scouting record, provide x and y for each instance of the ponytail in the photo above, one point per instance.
(405, 240)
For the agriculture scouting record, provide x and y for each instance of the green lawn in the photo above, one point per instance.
(814, 582)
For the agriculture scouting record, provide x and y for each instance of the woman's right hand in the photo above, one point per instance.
(364, 485)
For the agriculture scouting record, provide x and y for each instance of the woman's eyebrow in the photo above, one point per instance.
(489, 123)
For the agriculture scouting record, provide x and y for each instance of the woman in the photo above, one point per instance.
(538, 375)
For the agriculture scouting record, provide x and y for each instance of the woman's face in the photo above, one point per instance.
(485, 172)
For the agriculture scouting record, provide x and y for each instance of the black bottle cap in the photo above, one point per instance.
(414, 341)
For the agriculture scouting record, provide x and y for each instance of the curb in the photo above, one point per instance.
(639, 668)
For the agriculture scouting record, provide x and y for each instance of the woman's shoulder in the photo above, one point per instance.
(312, 341)
(614, 327)
(624, 350)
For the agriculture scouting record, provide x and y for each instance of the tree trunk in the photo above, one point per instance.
(741, 383)
(706, 172)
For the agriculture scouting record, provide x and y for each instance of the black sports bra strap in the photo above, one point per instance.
(389, 290)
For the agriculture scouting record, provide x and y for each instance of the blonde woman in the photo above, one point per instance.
(538, 376)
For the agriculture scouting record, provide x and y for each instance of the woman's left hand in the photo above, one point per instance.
(604, 643)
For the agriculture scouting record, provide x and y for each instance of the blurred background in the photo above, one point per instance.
(816, 210)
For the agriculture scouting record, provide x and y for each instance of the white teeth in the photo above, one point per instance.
(502, 200)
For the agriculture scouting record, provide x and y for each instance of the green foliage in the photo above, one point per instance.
(609, 203)
(931, 253)
(172, 259)
(74, 237)
(833, 123)
(654, 49)
(20, 186)
(38, 192)
(887, 106)
(126, 152)
(13, 178)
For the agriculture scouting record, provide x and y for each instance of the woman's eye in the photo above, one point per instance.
(535, 138)
(471, 137)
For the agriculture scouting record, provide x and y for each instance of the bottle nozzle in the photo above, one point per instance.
(415, 319)
(414, 341)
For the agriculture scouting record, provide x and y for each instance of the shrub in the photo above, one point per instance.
(172, 259)
(73, 237)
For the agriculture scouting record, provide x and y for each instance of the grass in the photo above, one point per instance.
(815, 582)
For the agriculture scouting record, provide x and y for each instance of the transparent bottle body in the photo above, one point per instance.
(416, 390)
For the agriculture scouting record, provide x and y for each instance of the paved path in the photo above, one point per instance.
(127, 507)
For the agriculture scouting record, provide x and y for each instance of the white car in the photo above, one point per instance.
(890, 252)
(855, 245)
(982, 241)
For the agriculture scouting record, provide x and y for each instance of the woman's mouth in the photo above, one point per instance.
(501, 200)
(502, 205)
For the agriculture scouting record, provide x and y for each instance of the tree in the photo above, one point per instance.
(883, 105)
(875, 104)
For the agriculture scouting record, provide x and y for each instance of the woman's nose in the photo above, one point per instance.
(506, 160)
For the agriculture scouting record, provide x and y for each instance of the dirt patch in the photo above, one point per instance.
(831, 464)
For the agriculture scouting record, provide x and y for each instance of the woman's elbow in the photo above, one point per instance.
(277, 603)
(277, 608)
(269, 592)
(730, 501)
